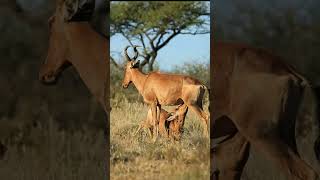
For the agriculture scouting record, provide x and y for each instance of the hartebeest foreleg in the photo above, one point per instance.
(155, 109)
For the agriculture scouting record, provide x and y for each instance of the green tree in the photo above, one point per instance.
(152, 25)
(197, 69)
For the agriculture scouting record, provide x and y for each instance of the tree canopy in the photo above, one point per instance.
(152, 25)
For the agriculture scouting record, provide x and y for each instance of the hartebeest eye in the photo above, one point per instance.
(135, 64)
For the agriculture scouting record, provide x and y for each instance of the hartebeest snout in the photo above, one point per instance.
(165, 89)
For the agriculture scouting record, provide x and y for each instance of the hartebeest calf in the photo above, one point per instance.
(261, 101)
(77, 44)
(160, 89)
(170, 124)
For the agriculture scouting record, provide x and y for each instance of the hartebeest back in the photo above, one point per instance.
(160, 89)
(262, 96)
(77, 44)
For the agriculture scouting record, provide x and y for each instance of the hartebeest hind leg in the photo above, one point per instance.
(203, 116)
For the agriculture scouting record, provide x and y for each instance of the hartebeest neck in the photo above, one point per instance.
(139, 79)
(88, 54)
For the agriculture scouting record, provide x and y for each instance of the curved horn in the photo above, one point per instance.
(126, 53)
(136, 52)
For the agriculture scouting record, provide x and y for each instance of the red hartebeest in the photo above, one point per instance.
(160, 89)
(77, 44)
(170, 124)
(259, 100)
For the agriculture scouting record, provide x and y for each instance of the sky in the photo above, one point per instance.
(181, 49)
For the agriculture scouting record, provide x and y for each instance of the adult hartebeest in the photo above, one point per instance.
(77, 44)
(266, 101)
(160, 89)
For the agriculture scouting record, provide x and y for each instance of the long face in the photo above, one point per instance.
(130, 66)
(127, 74)
(56, 59)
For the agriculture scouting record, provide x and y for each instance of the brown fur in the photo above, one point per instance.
(76, 43)
(170, 129)
(260, 95)
(166, 89)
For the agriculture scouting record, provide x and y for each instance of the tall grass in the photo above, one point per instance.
(137, 157)
(57, 154)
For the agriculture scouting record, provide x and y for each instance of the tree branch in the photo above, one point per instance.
(151, 40)
(205, 14)
(124, 35)
(167, 40)
(114, 62)
(145, 61)
(160, 38)
(143, 44)
(195, 33)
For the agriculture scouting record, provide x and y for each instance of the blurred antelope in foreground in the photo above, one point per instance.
(160, 89)
(77, 44)
(263, 102)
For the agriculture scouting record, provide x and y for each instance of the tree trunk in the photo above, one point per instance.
(150, 67)
(151, 62)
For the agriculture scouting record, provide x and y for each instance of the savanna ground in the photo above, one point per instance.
(51, 132)
(61, 155)
(137, 157)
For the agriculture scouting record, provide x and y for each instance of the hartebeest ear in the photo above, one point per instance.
(171, 117)
(136, 64)
(70, 9)
(78, 10)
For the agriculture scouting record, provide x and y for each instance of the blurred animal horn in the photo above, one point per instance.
(126, 54)
(136, 52)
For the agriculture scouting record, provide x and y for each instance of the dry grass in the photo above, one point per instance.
(51, 153)
(137, 157)
(261, 168)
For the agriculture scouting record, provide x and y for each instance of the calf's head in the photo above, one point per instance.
(176, 122)
(131, 65)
